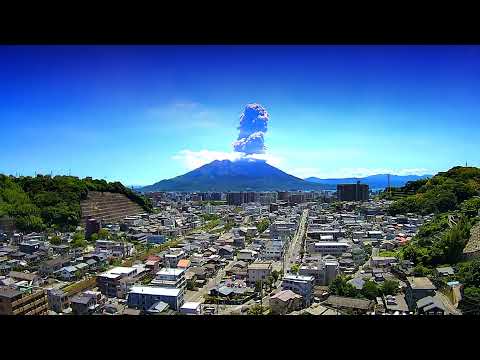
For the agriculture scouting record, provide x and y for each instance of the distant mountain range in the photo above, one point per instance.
(240, 175)
(379, 181)
(257, 175)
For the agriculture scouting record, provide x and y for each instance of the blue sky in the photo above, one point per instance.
(139, 114)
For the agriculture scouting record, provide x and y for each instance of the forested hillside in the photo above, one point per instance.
(453, 197)
(44, 201)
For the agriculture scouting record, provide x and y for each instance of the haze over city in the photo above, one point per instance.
(145, 113)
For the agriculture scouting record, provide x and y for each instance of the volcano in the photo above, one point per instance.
(239, 175)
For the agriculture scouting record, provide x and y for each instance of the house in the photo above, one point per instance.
(430, 306)
(395, 304)
(49, 267)
(284, 302)
(349, 305)
(191, 308)
(445, 271)
(301, 285)
(58, 300)
(226, 252)
(357, 283)
(200, 272)
(68, 273)
(418, 288)
(183, 264)
(92, 264)
(171, 259)
(258, 271)
(382, 261)
(31, 279)
(143, 297)
(247, 255)
(84, 304)
(324, 271)
(157, 308)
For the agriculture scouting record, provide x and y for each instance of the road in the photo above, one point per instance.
(296, 243)
(199, 295)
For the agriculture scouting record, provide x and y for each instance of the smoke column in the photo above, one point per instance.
(253, 126)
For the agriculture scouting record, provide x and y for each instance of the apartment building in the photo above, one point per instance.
(170, 278)
(15, 302)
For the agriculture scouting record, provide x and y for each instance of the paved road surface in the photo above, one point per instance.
(296, 243)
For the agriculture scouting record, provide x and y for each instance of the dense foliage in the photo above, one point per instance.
(44, 201)
(443, 192)
(370, 290)
(263, 225)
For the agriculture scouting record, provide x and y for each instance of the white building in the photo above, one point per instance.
(144, 297)
(329, 248)
(170, 277)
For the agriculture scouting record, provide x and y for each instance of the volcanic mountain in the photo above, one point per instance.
(239, 175)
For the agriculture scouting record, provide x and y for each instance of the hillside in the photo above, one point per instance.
(453, 196)
(378, 181)
(241, 175)
(441, 193)
(43, 201)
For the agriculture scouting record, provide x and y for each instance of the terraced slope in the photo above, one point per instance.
(108, 207)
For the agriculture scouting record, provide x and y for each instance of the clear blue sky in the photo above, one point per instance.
(142, 114)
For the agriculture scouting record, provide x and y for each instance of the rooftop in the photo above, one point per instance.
(420, 283)
(259, 266)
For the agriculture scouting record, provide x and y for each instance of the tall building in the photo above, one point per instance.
(239, 198)
(352, 192)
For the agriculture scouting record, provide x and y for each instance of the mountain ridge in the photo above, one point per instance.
(226, 175)
(373, 181)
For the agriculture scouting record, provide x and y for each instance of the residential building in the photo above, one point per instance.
(324, 271)
(328, 248)
(418, 288)
(301, 285)
(382, 261)
(108, 281)
(15, 302)
(396, 304)
(84, 304)
(143, 297)
(191, 308)
(284, 302)
(430, 306)
(58, 300)
(170, 278)
(352, 192)
(258, 271)
(348, 305)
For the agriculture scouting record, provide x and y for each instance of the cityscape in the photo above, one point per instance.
(195, 208)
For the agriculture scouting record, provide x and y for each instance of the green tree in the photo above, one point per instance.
(370, 290)
(341, 287)
(103, 234)
(78, 240)
(470, 303)
(389, 287)
(256, 310)
(275, 275)
(420, 270)
(94, 237)
(263, 225)
(295, 268)
(55, 240)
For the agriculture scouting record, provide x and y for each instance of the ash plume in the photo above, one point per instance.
(253, 126)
